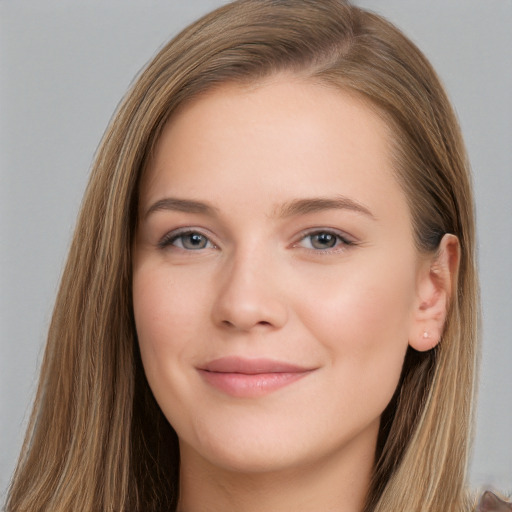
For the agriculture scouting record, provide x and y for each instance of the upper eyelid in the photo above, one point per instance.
(344, 242)
(172, 235)
(181, 231)
(313, 231)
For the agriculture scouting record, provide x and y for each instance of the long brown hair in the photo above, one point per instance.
(97, 439)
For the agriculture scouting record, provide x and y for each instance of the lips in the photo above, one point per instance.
(248, 378)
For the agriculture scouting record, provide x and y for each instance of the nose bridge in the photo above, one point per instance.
(249, 294)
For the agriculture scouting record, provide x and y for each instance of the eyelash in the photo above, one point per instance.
(170, 238)
(341, 242)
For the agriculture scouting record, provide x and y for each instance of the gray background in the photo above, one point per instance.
(64, 67)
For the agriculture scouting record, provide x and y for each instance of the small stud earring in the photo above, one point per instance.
(426, 334)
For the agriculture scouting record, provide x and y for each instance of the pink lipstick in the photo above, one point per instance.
(249, 378)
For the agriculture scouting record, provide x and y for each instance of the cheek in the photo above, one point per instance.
(168, 313)
(363, 320)
(361, 299)
(166, 319)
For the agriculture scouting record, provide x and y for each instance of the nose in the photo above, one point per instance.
(250, 296)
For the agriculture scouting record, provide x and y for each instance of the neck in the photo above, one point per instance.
(334, 483)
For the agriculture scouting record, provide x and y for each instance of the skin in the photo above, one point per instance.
(336, 287)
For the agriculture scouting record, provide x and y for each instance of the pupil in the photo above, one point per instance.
(324, 240)
(194, 241)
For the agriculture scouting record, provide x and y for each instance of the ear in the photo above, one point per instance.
(437, 280)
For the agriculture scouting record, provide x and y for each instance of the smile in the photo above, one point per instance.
(250, 378)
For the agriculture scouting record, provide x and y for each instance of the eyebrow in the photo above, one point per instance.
(181, 205)
(317, 204)
(289, 209)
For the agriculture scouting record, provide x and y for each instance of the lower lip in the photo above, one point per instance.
(244, 385)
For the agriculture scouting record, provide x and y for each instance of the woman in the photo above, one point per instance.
(173, 286)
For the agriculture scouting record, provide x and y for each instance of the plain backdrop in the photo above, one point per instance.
(64, 66)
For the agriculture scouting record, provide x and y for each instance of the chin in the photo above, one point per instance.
(247, 447)
(275, 447)
(250, 458)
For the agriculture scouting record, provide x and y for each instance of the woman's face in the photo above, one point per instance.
(275, 277)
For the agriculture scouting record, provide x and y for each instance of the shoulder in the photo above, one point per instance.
(489, 502)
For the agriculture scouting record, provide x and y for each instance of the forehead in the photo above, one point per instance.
(303, 138)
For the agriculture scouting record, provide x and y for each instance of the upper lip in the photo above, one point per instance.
(251, 366)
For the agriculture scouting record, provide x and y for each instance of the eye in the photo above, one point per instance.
(323, 240)
(187, 240)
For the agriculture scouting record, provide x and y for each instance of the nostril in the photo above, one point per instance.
(227, 323)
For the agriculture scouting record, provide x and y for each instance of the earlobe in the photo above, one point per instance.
(436, 286)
